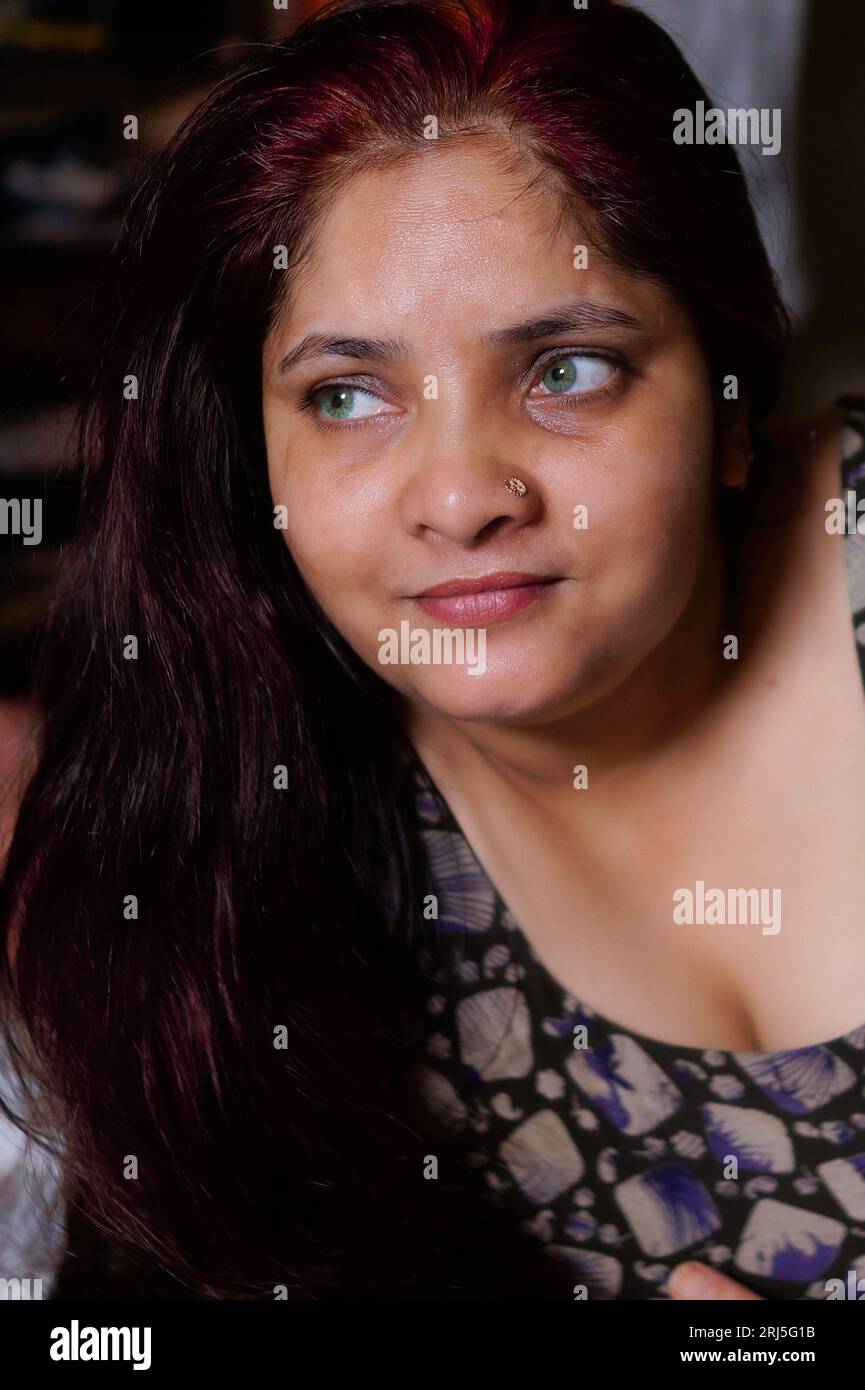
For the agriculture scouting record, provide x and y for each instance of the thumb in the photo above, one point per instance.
(692, 1281)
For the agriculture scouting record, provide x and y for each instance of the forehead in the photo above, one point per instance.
(458, 238)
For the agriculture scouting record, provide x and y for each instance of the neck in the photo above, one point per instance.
(671, 696)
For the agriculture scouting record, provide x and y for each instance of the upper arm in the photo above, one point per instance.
(32, 1212)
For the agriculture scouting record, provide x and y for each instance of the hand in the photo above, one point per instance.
(692, 1280)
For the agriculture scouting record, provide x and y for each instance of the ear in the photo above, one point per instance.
(737, 452)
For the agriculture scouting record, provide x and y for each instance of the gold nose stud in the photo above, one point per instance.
(516, 486)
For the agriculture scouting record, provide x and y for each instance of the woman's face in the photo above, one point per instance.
(440, 340)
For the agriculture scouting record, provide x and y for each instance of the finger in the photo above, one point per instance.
(695, 1281)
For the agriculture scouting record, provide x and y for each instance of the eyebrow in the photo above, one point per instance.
(581, 317)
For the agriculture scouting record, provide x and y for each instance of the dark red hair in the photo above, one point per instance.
(259, 908)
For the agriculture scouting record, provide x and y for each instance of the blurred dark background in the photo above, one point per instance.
(71, 70)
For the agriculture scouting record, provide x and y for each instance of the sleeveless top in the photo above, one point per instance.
(613, 1154)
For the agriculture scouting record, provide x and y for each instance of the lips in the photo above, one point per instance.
(483, 600)
(500, 579)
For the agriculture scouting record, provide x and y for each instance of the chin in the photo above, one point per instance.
(504, 698)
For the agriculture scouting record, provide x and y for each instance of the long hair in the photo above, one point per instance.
(211, 895)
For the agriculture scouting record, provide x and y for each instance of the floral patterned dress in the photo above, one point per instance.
(615, 1154)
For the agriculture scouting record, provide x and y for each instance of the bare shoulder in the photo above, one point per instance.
(808, 448)
(798, 471)
(788, 556)
(797, 560)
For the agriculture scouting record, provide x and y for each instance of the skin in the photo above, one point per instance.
(382, 508)
(620, 655)
(692, 1280)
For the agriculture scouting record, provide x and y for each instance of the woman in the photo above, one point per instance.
(444, 613)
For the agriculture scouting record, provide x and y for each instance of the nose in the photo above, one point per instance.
(459, 488)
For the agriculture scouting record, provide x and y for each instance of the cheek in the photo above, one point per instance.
(330, 530)
(671, 486)
(643, 557)
(317, 526)
(324, 545)
(338, 558)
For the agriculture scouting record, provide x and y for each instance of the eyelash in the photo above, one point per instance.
(309, 399)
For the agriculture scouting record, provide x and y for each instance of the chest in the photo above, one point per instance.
(721, 902)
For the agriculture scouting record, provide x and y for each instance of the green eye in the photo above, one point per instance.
(561, 376)
(587, 373)
(345, 402)
(337, 404)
